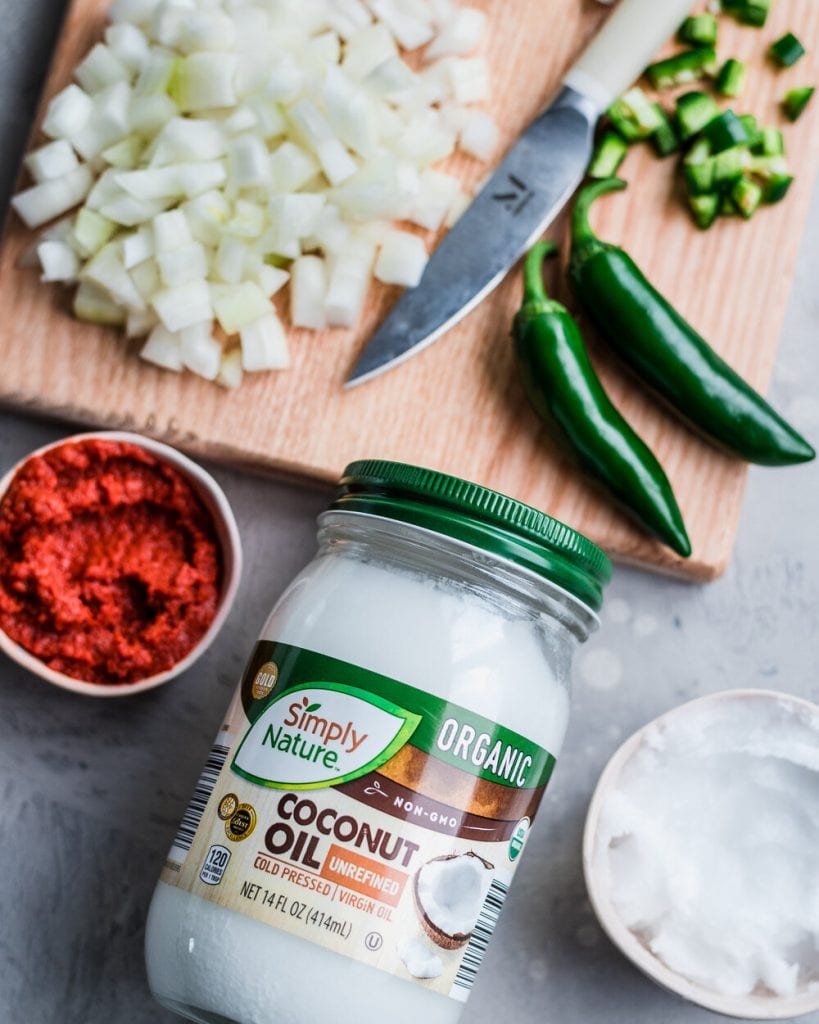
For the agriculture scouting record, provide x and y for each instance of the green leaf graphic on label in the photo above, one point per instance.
(290, 746)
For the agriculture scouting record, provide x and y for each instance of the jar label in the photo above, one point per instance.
(362, 814)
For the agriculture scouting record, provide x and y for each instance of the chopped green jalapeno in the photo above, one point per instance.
(730, 164)
(767, 166)
(633, 115)
(699, 178)
(694, 111)
(796, 100)
(705, 209)
(750, 12)
(664, 139)
(699, 30)
(608, 154)
(699, 152)
(776, 187)
(725, 130)
(688, 66)
(786, 51)
(771, 142)
(731, 78)
(752, 129)
(747, 196)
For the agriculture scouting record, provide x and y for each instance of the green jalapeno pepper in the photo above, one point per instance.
(666, 352)
(564, 389)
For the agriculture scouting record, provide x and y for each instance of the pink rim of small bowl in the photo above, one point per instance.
(756, 1007)
(227, 532)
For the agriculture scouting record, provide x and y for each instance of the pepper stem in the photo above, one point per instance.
(582, 233)
(533, 288)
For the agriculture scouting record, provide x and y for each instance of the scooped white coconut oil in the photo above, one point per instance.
(486, 643)
(708, 844)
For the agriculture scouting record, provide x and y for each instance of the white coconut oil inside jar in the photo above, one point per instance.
(440, 616)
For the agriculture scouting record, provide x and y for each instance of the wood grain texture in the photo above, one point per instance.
(458, 406)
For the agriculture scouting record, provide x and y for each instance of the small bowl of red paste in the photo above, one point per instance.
(119, 562)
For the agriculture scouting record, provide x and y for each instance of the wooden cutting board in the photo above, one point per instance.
(458, 406)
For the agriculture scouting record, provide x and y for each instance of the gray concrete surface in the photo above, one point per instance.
(91, 791)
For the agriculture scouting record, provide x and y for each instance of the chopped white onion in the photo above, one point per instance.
(58, 261)
(230, 370)
(125, 154)
(130, 44)
(186, 263)
(171, 231)
(248, 161)
(435, 197)
(140, 322)
(204, 81)
(107, 270)
(41, 203)
(366, 49)
(67, 113)
(401, 259)
(237, 305)
(291, 167)
(409, 30)
(271, 279)
(137, 247)
(184, 138)
(221, 151)
(183, 305)
(51, 161)
(200, 351)
(109, 121)
(163, 348)
(90, 232)
(460, 35)
(347, 285)
(479, 135)
(314, 128)
(264, 346)
(100, 68)
(231, 258)
(470, 79)
(95, 306)
(347, 16)
(308, 285)
(248, 220)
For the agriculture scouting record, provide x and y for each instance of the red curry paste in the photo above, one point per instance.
(110, 566)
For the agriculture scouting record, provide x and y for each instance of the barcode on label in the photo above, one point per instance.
(196, 808)
(476, 949)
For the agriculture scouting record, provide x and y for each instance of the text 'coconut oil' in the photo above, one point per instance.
(358, 823)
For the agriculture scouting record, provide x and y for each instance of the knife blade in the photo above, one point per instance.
(529, 188)
(515, 205)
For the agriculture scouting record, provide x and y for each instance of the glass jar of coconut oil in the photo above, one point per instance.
(356, 827)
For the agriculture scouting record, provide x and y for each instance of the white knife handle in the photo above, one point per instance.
(624, 46)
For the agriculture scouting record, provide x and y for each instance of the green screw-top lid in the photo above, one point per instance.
(479, 516)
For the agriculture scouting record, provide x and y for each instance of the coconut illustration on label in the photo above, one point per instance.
(449, 895)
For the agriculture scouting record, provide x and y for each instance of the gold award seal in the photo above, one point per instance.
(241, 823)
(265, 680)
(227, 806)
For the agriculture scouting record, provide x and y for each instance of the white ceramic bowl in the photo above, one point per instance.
(756, 1007)
(214, 499)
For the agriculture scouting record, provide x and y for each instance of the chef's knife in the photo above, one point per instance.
(527, 191)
